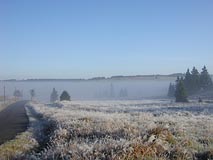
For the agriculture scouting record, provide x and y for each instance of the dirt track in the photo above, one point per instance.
(13, 120)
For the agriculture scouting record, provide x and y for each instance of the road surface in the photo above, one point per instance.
(13, 120)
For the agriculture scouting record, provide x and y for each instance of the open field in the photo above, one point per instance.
(125, 130)
(150, 129)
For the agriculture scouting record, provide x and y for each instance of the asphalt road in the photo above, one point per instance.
(13, 120)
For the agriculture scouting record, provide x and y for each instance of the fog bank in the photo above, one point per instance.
(90, 90)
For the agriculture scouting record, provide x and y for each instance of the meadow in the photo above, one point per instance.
(149, 129)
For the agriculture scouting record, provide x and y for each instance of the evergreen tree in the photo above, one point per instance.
(54, 96)
(187, 81)
(205, 79)
(195, 80)
(180, 92)
(112, 91)
(171, 91)
(178, 79)
(65, 96)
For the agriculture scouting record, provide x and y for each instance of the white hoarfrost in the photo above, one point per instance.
(126, 129)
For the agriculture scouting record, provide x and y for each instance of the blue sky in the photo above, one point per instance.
(87, 38)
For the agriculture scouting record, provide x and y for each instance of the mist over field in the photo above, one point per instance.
(106, 80)
(91, 90)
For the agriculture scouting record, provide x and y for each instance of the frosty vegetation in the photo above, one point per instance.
(125, 130)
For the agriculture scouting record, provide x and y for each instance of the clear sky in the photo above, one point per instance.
(87, 38)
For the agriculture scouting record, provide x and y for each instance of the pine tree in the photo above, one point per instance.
(188, 81)
(178, 79)
(112, 91)
(195, 80)
(205, 79)
(54, 96)
(180, 92)
(65, 96)
(171, 91)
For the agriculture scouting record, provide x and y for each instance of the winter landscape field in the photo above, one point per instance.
(149, 129)
(106, 80)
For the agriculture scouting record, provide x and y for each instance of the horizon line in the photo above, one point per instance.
(97, 77)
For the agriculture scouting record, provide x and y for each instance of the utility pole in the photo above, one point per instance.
(4, 95)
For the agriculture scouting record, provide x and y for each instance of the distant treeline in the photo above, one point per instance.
(103, 78)
(193, 82)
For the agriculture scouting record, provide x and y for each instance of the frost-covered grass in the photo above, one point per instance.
(126, 130)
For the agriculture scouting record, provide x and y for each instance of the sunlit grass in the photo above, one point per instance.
(21, 145)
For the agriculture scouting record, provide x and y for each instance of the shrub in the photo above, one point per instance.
(65, 96)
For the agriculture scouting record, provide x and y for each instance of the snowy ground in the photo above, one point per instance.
(126, 130)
